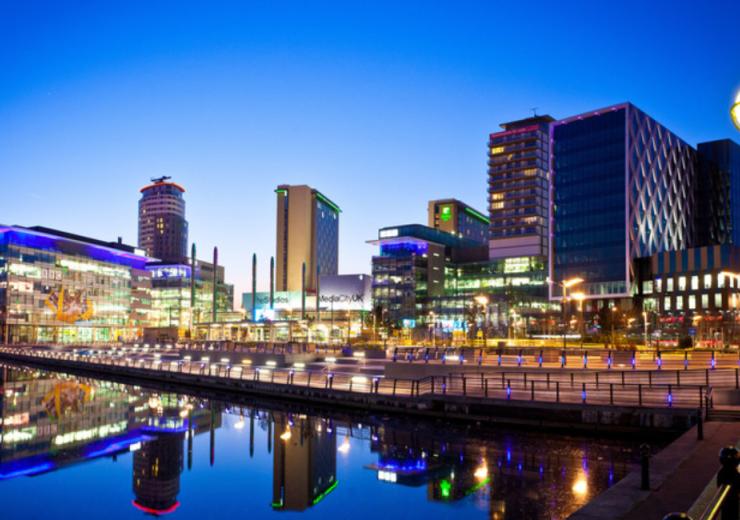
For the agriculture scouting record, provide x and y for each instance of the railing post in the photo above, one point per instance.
(464, 380)
(548, 380)
(583, 393)
(485, 385)
(395, 382)
(622, 378)
(678, 377)
(639, 394)
(650, 378)
(728, 476)
(532, 390)
(645, 467)
(706, 375)
(699, 425)
(571, 379)
(557, 391)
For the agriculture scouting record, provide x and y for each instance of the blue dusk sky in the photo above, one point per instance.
(380, 105)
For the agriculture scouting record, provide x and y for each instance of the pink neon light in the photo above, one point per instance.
(157, 512)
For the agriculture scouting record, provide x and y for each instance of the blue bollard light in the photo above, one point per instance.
(713, 362)
(633, 361)
(659, 360)
(609, 361)
(519, 359)
(499, 359)
(585, 360)
(508, 390)
(540, 359)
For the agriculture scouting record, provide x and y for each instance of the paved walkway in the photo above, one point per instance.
(678, 476)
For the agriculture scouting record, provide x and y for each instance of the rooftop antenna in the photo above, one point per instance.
(157, 180)
(534, 111)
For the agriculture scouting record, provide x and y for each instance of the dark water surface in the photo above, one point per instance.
(75, 447)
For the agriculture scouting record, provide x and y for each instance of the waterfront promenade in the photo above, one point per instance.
(512, 391)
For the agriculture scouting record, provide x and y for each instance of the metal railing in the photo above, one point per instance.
(582, 388)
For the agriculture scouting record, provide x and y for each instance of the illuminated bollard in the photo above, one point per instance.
(462, 358)
(583, 393)
(713, 362)
(395, 355)
(563, 360)
(609, 361)
(659, 360)
(426, 356)
(499, 358)
(685, 360)
(633, 361)
(540, 359)
(669, 398)
(585, 360)
(508, 389)
(480, 357)
(519, 359)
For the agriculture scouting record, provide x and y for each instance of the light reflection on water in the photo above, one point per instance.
(96, 449)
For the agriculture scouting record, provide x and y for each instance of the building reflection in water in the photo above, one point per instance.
(304, 461)
(49, 422)
(509, 482)
(157, 467)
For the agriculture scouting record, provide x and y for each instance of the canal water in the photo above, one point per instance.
(74, 447)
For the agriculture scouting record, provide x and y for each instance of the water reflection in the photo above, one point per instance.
(50, 422)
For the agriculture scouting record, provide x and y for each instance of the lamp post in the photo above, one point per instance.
(645, 323)
(614, 317)
(579, 297)
(432, 323)
(482, 300)
(565, 284)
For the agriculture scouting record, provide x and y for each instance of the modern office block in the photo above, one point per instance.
(623, 188)
(307, 232)
(456, 217)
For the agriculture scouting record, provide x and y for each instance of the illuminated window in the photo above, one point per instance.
(497, 149)
(695, 283)
(692, 302)
(704, 301)
(669, 285)
(667, 303)
(679, 303)
(658, 284)
(718, 300)
(681, 283)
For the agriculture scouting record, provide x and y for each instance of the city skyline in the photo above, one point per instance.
(385, 117)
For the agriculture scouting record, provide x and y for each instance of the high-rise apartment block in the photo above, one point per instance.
(518, 188)
(163, 230)
(307, 232)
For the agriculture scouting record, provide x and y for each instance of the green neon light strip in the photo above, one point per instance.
(329, 203)
(479, 216)
(277, 505)
(281, 191)
(478, 486)
(322, 495)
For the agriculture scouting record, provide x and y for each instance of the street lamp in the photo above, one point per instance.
(644, 319)
(579, 297)
(735, 111)
(482, 300)
(613, 319)
(566, 284)
(432, 322)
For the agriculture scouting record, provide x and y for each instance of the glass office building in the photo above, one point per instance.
(171, 295)
(64, 288)
(623, 188)
(719, 193)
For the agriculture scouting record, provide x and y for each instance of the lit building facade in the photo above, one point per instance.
(57, 287)
(694, 290)
(458, 218)
(518, 188)
(516, 290)
(163, 230)
(307, 232)
(623, 188)
(410, 269)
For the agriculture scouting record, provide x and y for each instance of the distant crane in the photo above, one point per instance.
(157, 180)
(534, 111)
